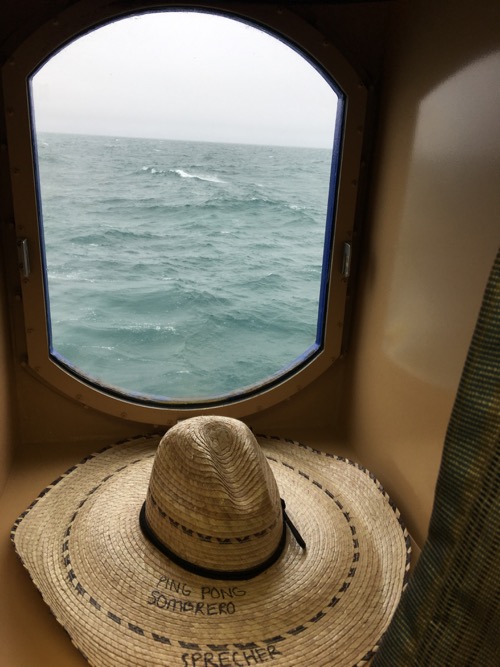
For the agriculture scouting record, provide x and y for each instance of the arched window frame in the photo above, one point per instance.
(38, 48)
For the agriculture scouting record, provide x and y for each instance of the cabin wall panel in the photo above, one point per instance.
(432, 238)
(8, 421)
(8, 405)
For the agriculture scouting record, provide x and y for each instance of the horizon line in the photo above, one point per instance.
(200, 141)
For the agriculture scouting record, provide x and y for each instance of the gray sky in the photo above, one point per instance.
(185, 75)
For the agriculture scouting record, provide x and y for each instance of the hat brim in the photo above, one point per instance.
(124, 603)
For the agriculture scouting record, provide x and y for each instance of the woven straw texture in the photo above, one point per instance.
(450, 612)
(124, 603)
(213, 469)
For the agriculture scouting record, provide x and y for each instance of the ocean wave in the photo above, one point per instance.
(200, 177)
(70, 276)
(112, 235)
(182, 173)
(140, 327)
(152, 170)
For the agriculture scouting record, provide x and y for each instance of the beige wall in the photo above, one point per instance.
(432, 238)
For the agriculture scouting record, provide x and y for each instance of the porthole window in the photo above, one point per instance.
(187, 240)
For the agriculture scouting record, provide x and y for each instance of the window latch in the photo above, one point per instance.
(24, 257)
(346, 260)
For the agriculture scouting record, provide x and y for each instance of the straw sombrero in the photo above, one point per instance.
(217, 548)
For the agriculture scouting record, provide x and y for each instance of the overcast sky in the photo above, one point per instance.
(185, 75)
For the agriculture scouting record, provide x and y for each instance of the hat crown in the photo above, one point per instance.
(212, 498)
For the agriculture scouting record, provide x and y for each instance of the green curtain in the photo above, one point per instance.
(449, 614)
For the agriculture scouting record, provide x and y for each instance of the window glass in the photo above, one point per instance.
(184, 168)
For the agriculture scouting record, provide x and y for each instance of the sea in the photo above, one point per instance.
(181, 270)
